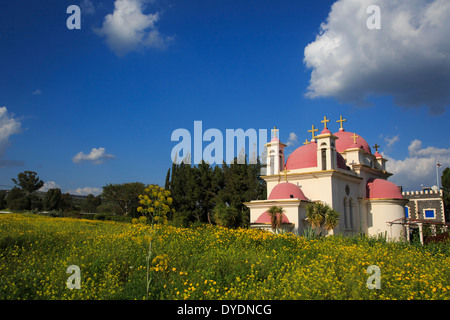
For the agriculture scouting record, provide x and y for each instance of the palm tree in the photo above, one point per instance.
(276, 217)
(322, 216)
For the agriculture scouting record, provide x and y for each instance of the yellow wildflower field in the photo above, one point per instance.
(207, 262)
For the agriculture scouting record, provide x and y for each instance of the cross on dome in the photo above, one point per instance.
(354, 136)
(275, 132)
(324, 121)
(285, 172)
(312, 131)
(376, 146)
(306, 142)
(340, 122)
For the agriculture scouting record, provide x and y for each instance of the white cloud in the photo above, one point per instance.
(407, 58)
(87, 7)
(97, 156)
(36, 92)
(49, 185)
(420, 167)
(129, 29)
(391, 140)
(85, 191)
(8, 127)
(292, 140)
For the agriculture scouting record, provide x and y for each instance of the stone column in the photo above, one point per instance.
(420, 232)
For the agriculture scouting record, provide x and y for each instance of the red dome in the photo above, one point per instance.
(265, 218)
(286, 190)
(306, 157)
(379, 188)
(345, 141)
(303, 157)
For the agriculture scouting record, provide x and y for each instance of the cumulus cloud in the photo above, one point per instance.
(419, 167)
(9, 125)
(49, 185)
(292, 140)
(408, 58)
(129, 29)
(96, 156)
(36, 92)
(85, 191)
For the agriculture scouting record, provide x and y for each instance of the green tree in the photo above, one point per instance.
(2, 199)
(17, 200)
(322, 217)
(28, 181)
(52, 199)
(124, 196)
(167, 183)
(66, 203)
(226, 216)
(92, 203)
(276, 217)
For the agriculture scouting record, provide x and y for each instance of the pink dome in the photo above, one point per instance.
(325, 131)
(306, 157)
(345, 141)
(379, 188)
(303, 157)
(265, 218)
(286, 190)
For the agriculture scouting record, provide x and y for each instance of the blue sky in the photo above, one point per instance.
(123, 85)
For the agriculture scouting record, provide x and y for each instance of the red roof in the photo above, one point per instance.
(345, 141)
(306, 157)
(303, 157)
(265, 218)
(286, 190)
(379, 188)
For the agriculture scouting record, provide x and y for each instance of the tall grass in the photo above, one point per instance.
(207, 262)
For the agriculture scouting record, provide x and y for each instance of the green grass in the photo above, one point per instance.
(207, 262)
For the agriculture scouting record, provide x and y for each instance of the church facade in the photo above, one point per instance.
(338, 169)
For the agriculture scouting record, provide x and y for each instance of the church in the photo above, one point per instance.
(338, 169)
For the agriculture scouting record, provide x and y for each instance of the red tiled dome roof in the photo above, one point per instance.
(265, 218)
(286, 190)
(345, 141)
(379, 188)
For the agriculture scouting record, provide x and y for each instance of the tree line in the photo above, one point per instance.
(214, 194)
(201, 194)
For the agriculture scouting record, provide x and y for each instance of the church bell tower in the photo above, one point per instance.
(275, 154)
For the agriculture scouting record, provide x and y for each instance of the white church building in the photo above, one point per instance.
(338, 169)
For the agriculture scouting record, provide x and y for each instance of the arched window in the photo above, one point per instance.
(324, 159)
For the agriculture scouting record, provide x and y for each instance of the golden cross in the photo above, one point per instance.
(306, 142)
(324, 121)
(285, 173)
(312, 131)
(376, 147)
(354, 136)
(274, 132)
(341, 121)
